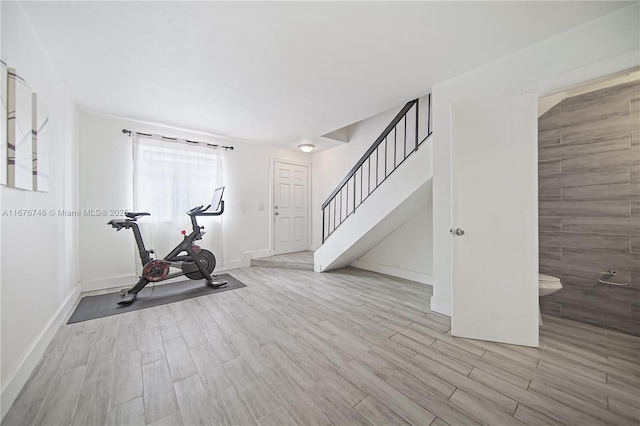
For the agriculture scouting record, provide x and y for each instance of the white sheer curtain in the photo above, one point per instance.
(170, 178)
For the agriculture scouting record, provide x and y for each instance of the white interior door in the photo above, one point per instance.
(290, 206)
(495, 208)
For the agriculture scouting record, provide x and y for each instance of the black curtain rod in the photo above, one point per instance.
(168, 139)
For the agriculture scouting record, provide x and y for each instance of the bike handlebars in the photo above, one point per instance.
(194, 210)
(202, 211)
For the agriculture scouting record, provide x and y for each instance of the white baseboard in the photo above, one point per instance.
(232, 264)
(245, 262)
(441, 306)
(107, 283)
(19, 377)
(255, 254)
(394, 272)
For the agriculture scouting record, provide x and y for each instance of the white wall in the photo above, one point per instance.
(407, 252)
(611, 43)
(39, 254)
(108, 258)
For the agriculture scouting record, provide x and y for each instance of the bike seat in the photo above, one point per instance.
(135, 215)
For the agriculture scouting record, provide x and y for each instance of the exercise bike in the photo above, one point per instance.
(196, 264)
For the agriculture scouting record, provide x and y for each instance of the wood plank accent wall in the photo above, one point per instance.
(589, 206)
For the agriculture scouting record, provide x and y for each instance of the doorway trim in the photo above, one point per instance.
(578, 76)
(272, 168)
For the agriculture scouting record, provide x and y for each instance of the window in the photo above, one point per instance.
(170, 178)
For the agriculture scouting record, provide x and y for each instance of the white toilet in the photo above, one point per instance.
(547, 285)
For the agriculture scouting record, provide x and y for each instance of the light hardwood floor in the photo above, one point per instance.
(342, 348)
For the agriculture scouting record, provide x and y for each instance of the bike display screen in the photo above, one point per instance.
(216, 199)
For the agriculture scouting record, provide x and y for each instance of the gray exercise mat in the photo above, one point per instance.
(104, 305)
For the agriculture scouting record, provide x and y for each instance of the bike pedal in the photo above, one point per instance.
(127, 299)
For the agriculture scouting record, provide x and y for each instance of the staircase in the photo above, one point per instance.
(361, 211)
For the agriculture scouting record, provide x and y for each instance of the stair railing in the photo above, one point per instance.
(396, 143)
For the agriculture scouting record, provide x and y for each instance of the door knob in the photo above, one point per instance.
(277, 213)
(457, 231)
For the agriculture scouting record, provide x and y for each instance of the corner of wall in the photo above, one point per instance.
(21, 374)
(441, 306)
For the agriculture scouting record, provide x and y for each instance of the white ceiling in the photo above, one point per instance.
(279, 72)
